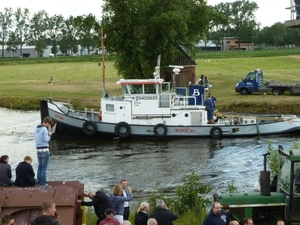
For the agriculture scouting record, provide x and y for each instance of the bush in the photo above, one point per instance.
(191, 195)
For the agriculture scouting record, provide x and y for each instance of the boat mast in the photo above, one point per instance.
(103, 51)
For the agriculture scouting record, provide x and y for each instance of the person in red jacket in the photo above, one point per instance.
(110, 213)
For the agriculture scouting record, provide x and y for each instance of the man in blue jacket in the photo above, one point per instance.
(216, 216)
(210, 106)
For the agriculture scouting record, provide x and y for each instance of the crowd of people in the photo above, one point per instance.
(114, 209)
(25, 175)
(111, 209)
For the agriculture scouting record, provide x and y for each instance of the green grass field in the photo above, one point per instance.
(23, 82)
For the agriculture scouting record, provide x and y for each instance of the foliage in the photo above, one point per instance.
(91, 217)
(141, 30)
(87, 28)
(231, 187)
(191, 195)
(191, 217)
(273, 159)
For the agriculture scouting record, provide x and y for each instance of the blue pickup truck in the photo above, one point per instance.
(254, 82)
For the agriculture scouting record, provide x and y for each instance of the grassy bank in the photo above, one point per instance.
(79, 80)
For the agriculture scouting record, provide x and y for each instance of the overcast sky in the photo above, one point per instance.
(269, 12)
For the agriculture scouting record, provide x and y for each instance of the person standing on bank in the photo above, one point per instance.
(216, 216)
(210, 106)
(42, 137)
(126, 204)
(25, 174)
(162, 214)
(49, 210)
(118, 200)
(141, 217)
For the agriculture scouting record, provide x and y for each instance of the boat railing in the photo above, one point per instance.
(179, 100)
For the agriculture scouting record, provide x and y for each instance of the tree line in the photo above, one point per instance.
(140, 30)
(17, 29)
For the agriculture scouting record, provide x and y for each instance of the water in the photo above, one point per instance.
(103, 163)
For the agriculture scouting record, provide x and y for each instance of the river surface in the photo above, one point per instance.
(103, 163)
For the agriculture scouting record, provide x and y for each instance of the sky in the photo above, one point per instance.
(269, 12)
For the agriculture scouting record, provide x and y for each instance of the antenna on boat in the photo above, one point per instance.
(157, 68)
(103, 51)
(50, 82)
(176, 71)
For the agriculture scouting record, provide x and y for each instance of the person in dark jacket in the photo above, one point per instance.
(141, 217)
(25, 174)
(5, 171)
(100, 201)
(162, 214)
(216, 216)
(49, 210)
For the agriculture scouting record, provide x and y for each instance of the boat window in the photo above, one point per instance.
(284, 174)
(136, 88)
(110, 107)
(150, 88)
(64, 109)
(165, 87)
(124, 89)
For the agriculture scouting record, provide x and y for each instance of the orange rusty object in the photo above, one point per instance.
(24, 204)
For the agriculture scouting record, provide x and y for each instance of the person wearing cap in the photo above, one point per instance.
(100, 201)
(110, 213)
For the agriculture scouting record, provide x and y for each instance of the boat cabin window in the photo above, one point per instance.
(110, 107)
(136, 88)
(150, 88)
(125, 89)
(164, 87)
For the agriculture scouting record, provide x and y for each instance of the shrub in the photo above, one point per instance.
(191, 195)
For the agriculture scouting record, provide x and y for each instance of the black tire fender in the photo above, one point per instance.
(89, 128)
(216, 132)
(119, 127)
(158, 127)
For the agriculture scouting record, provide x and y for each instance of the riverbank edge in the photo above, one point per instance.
(246, 106)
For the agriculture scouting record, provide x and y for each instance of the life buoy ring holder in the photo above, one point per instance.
(216, 132)
(89, 128)
(119, 130)
(158, 127)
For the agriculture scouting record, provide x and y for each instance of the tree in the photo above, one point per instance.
(278, 34)
(140, 30)
(12, 43)
(54, 32)
(68, 41)
(5, 25)
(21, 24)
(242, 22)
(38, 31)
(88, 28)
